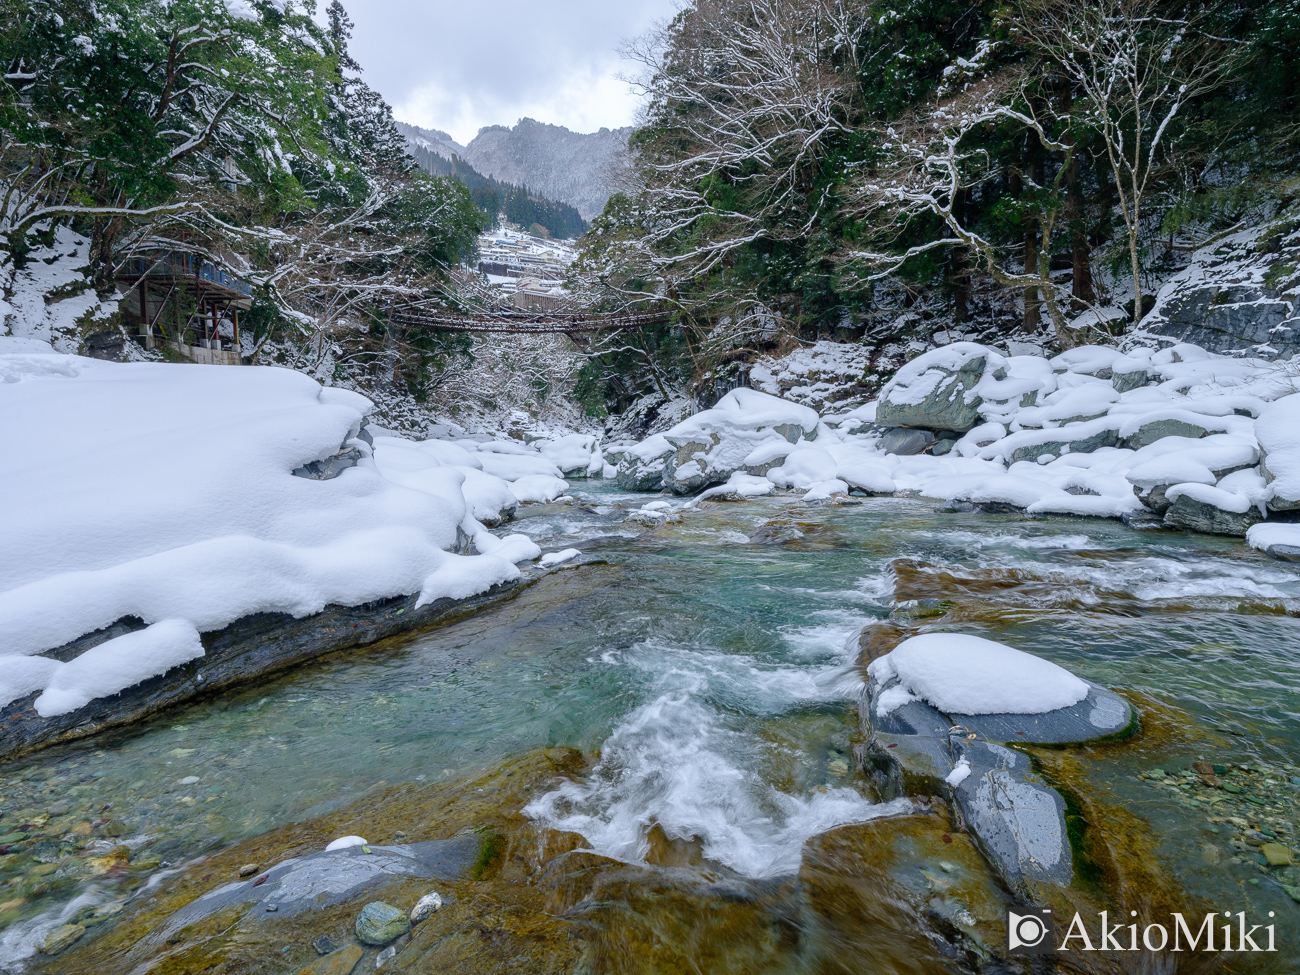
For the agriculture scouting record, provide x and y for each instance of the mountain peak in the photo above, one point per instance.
(583, 170)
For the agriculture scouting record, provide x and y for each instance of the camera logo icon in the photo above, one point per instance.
(1031, 933)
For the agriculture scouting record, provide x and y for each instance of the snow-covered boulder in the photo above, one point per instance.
(714, 444)
(936, 390)
(192, 518)
(1278, 431)
(1178, 460)
(642, 466)
(937, 705)
(1229, 507)
(804, 466)
(1281, 541)
(576, 455)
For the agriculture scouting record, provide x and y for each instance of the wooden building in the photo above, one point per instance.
(178, 299)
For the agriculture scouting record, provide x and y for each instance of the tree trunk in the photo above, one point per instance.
(959, 280)
(1032, 305)
(1081, 279)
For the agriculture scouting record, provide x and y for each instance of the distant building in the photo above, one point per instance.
(180, 300)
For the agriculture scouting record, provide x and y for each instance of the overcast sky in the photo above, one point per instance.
(458, 65)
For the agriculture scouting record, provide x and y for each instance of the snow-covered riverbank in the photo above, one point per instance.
(168, 501)
(1199, 441)
(154, 503)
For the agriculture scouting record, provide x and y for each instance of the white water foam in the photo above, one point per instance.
(682, 762)
(972, 541)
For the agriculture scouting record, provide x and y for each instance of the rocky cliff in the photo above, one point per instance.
(581, 170)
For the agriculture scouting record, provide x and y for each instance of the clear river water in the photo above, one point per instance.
(711, 661)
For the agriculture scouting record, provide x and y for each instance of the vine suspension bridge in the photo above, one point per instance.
(529, 323)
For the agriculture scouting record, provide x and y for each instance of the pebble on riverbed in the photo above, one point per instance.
(426, 907)
(1257, 805)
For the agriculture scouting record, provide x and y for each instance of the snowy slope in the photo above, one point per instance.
(167, 492)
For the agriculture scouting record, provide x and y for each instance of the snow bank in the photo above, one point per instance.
(1095, 432)
(961, 674)
(167, 493)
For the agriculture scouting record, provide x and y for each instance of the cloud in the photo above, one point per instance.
(458, 65)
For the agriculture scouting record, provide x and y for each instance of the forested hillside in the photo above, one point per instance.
(909, 171)
(497, 199)
(241, 132)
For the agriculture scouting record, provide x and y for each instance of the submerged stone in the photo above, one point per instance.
(340, 962)
(61, 938)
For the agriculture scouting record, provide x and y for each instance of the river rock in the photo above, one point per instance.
(1132, 379)
(642, 467)
(340, 962)
(1075, 438)
(1149, 432)
(1102, 714)
(426, 907)
(935, 391)
(1195, 515)
(379, 923)
(327, 878)
(61, 938)
(906, 442)
(330, 467)
(1276, 854)
(689, 471)
(1018, 818)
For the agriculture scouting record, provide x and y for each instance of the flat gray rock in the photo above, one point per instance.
(1018, 818)
(327, 878)
(1100, 714)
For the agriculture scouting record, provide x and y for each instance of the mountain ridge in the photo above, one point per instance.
(581, 169)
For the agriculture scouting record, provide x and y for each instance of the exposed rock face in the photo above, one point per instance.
(331, 467)
(935, 391)
(1149, 433)
(1239, 294)
(644, 470)
(1094, 439)
(581, 170)
(1133, 379)
(906, 443)
(1199, 516)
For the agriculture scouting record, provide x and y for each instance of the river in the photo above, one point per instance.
(711, 663)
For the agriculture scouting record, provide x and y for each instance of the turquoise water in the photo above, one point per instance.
(715, 675)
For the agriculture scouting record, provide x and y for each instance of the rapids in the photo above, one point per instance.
(708, 667)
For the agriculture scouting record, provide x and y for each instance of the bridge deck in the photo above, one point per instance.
(528, 323)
